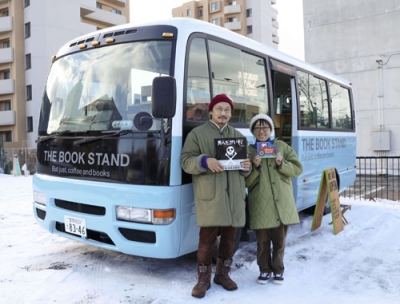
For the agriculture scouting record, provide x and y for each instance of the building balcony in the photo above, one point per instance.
(7, 118)
(232, 9)
(6, 24)
(6, 55)
(118, 2)
(7, 86)
(233, 26)
(99, 15)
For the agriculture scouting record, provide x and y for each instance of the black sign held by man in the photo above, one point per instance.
(231, 152)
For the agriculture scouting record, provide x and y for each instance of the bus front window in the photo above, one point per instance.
(99, 88)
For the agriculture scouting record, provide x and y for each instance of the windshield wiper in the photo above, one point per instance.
(54, 134)
(86, 140)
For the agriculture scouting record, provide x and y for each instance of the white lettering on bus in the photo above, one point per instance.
(73, 158)
(102, 159)
(311, 144)
(79, 158)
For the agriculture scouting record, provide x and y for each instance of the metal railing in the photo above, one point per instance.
(26, 156)
(377, 178)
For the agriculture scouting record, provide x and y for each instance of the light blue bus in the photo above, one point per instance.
(119, 102)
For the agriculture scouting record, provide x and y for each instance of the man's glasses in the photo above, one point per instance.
(259, 129)
(220, 110)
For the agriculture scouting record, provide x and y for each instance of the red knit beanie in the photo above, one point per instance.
(219, 98)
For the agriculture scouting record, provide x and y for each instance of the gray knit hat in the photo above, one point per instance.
(264, 117)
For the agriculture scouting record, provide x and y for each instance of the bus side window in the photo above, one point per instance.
(314, 106)
(341, 107)
(242, 76)
(198, 93)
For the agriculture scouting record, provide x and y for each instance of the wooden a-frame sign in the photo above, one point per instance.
(328, 188)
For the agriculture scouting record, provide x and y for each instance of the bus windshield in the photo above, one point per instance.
(102, 89)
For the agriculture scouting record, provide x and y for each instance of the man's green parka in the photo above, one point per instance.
(219, 197)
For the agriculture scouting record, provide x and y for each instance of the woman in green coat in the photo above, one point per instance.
(270, 194)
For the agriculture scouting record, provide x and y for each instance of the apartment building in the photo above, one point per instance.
(256, 19)
(31, 31)
(357, 40)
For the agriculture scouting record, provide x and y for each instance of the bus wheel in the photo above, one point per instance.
(216, 245)
(327, 208)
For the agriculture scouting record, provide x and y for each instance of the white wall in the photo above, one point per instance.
(347, 37)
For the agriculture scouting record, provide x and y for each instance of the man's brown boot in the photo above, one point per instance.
(203, 283)
(222, 275)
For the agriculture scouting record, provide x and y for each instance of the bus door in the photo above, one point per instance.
(284, 100)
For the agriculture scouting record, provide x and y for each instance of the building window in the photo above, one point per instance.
(201, 13)
(232, 3)
(6, 75)
(27, 30)
(6, 44)
(27, 3)
(28, 64)
(28, 92)
(214, 21)
(249, 29)
(233, 19)
(7, 106)
(5, 13)
(188, 12)
(214, 6)
(115, 11)
(249, 12)
(29, 124)
(6, 136)
(99, 5)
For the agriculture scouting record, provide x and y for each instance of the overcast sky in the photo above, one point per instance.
(290, 18)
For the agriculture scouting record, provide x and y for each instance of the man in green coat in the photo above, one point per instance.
(271, 202)
(219, 195)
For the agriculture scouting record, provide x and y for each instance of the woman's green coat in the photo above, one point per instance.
(219, 197)
(270, 192)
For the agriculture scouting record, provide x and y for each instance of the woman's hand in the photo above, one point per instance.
(256, 160)
(278, 159)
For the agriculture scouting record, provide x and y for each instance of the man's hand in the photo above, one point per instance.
(214, 165)
(246, 164)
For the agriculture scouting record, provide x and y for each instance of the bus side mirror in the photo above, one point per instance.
(163, 97)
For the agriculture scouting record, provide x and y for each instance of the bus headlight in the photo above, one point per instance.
(141, 215)
(39, 197)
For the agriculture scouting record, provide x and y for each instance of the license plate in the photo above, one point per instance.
(75, 225)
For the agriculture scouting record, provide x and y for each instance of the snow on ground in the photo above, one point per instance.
(361, 264)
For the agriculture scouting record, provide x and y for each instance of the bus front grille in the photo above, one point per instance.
(138, 235)
(40, 213)
(78, 207)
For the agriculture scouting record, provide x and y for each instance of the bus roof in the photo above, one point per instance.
(188, 26)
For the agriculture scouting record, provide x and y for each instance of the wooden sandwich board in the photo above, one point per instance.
(328, 188)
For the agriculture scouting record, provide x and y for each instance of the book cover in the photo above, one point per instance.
(266, 149)
(231, 152)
